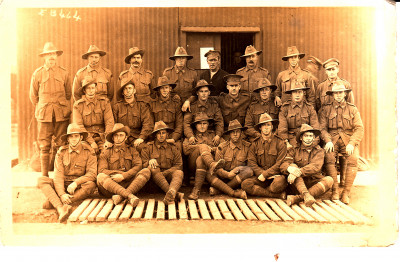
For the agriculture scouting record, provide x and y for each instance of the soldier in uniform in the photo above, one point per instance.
(303, 165)
(265, 157)
(142, 78)
(133, 114)
(235, 170)
(96, 71)
(263, 105)
(120, 168)
(312, 67)
(215, 75)
(94, 113)
(206, 105)
(295, 112)
(184, 76)
(74, 173)
(342, 131)
(286, 77)
(50, 94)
(168, 109)
(165, 162)
(199, 154)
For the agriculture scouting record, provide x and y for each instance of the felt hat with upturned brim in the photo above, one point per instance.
(93, 50)
(118, 127)
(133, 51)
(296, 85)
(292, 51)
(251, 50)
(338, 86)
(88, 80)
(163, 81)
(262, 83)
(306, 128)
(233, 125)
(50, 48)
(201, 83)
(124, 82)
(180, 52)
(201, 116)
(74, 128)
(158, 126)
(264, 118)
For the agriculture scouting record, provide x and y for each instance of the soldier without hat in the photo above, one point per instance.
(215, 75)
(303, 165)
(313, 65)
(165, 162)
(120, 168)
(94, 69)
(74, 173)
(50, 94)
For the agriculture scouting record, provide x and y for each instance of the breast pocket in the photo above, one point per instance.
(242, 159)
(291, 120)
(102, 86)
(260, 157)
(332, 123)
(244, 82)
(305, 118)
(347, 122)
(80, 167)
(99, 113)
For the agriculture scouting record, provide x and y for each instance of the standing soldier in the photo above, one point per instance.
(142, 79)
(184, 76)
(313, 66)
(95, 70)
(285, 78)
(75, 172)
(120, 168)
(264, 104)
(342, 131)
(50, 93)
(215, 76)
(295, 112)
(235, 170)
(303, 165)
(165, 162)
(265, 157)
(133, 114)
(94, 113)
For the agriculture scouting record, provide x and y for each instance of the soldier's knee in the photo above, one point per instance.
(146, 173)
(279, 184)
(101, 178)
(154, 171)
(43, 180)
(178, 173)
(330, 158)
(352, 160)
(200, 163)
(245, 172)
(89, 186)
(328, 181)
(247, 184)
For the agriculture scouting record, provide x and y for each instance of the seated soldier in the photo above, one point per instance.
(296, 112)
(75, 170)
(94, 113)
(133, 114)
(342, 131)
(200, 154)
(303, 165)
(168, 109)
(234, 153)
(165, 162)
(120, 168)
(264, 104)
(265, 157)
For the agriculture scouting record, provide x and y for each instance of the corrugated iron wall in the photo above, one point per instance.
(345, 33)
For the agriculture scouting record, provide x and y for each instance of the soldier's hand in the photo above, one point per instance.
(288, 145)
(349, 149)
(107, 144)
(231, 174)
(278, 101)
(138, 142)
(294, 170)
(216, 140)
(153, 163)
(71, 188)
(329, 147)
(171, 140)
(117, 177)
(261, 178)
(66, 199)
(192, 140)
(186, 106)
(291, 178)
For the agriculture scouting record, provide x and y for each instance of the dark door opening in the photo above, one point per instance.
(233, 46)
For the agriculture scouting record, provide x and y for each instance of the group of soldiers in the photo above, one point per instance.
(241, 133)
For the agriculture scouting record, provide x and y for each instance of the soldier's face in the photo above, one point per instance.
(202, 126)
(213, 62)
(265, 93)
(235, 135)
(307, 138)
(266, 129)
(74, 139)
(252, 60)
(339, 96)
(90, 90)
(136, 61)
(165, 91)
(180, 62)
(129, 91)
(161, 135)
(332, 72)
(50, 59)
(203, 93)
(297, 95)
(94, 60)
(119, 138)
(294, 60)
(233, 88)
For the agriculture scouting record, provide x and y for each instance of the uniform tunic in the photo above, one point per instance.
(74, 165)
(167, 155)
(249, 82)
(234, 154)
(217, 80)
(185, 80)
(103, 77)
(143, 80)
(322, 98)
(233, 108)
(202, 138)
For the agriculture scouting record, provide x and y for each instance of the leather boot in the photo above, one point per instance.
(239, 193)
(198, 182)
(169, 197)
(133, 200)
(293, 199)
(309, 200)
(63, 212)
(117, 199)
(214, 191)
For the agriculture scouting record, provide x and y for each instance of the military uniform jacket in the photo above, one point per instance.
(103, 77)
(211, 108)
(234, 154)
(169, 111)
(341, 121)
(308, 159)
(217, 81)
(233, 108)
(122, 160)
(74, 165)
(205, 138)
(293, 115)
(168, 156)
(322, 98)
(283, 82)
(50, 91)
(266, 156)
(185, 80)
(143, 80)
(249, 82)
(257, 108)
(313, 78)
(136, 116)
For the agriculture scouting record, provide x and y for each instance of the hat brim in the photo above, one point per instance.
(257, 53)
(128, 58)
(285, 58)
(315, 131)
(207, 119)
(59, 52)
(153, 134)
(292, 90)
(189, 57)
(210, 87)
(173, 85)
(331, 92)
(65, 136)
(86, 55)
(257, 126)
(109, 136)
(230, 130)
(258, 89)
(80, 90)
